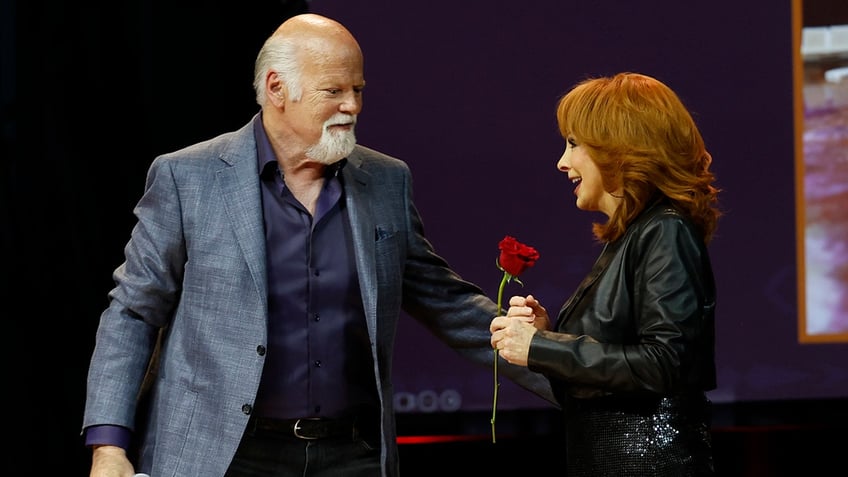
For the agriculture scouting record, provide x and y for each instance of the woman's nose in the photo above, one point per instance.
(562, 164)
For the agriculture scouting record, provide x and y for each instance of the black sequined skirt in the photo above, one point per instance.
(630, 437)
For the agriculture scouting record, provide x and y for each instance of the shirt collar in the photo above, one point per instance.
(264, 151)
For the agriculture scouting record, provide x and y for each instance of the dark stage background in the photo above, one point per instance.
(465, 93)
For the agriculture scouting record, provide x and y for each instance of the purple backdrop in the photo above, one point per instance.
(465, 93)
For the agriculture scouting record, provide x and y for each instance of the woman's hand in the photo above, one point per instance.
(511, 334)
(539, 313)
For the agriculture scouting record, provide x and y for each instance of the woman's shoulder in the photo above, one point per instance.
(662, 221)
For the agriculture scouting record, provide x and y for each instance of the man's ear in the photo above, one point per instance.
(276, 87)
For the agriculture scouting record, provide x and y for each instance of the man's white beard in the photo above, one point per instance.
(333, 145)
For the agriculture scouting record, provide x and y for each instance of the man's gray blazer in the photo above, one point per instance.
(195, 268)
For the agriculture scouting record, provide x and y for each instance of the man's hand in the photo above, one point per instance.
(110, 461)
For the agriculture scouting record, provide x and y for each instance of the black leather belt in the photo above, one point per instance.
(308, 428)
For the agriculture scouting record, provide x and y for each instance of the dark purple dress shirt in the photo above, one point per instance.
(319, 355)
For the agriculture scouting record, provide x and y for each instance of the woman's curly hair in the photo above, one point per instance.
(644, 140)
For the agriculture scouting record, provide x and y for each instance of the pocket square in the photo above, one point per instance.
(381, 234)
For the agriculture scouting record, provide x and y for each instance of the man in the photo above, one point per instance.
(266, 275)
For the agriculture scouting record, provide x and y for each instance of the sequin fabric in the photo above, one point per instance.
(668, 437)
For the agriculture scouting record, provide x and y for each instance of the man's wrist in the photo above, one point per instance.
(108, 435)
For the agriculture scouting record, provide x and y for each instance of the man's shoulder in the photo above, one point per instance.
(366, 153)
(230, 147)
(228, 141)
(372, 160)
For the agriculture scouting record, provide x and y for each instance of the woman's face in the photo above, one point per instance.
(585, 175)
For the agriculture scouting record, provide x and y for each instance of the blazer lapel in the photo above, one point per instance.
(357, 200)
(238, 181)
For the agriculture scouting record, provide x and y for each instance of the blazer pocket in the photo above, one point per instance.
(389, 256)
(382, 234)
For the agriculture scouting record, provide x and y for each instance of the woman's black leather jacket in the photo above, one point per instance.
(642, 321)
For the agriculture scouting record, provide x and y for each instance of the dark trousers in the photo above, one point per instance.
(270, 454)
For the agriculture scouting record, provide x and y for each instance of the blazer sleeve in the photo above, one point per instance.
(140, 304)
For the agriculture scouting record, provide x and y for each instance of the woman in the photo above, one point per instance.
(631, 353)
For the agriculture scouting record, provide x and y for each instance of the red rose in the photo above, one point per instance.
(514, 259)
(516, 256)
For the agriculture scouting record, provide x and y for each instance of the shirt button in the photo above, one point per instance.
(317, 273)
(317, 363)
(317, 317)
(247, 409)
(260, 350)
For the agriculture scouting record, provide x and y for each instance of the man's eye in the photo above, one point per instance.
(334, 91)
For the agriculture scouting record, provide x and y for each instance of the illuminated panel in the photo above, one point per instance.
(821, 171)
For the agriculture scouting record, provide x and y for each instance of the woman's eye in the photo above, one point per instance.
(571, 142)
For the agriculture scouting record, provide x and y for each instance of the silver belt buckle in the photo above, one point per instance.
(297, 428)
